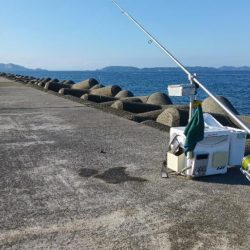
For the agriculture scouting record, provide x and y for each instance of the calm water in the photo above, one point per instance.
(235, 85)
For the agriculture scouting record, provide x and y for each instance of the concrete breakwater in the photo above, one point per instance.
(75, 177)
(155, 110)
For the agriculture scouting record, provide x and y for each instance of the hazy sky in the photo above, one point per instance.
(91, 34)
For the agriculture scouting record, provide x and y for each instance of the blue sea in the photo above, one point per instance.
(234, 85)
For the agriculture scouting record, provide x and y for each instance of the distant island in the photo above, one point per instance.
(159, 69)
(14, 68)
(10, 67)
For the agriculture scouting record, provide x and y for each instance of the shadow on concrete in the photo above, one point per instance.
(87, 172)
(232, 177)
(117, 175)
(112, 175)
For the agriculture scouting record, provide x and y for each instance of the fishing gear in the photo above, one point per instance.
(191, 77)
(202, 159)
(245, 169)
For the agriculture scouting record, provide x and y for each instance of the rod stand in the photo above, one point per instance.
(192, 97)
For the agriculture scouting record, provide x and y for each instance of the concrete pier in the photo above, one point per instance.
(75, 177)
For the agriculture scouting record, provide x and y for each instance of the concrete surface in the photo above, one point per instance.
(74, 177)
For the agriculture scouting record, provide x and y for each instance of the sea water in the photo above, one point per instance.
(234, 85)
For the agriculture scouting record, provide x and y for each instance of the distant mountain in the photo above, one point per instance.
(234, 68)
(155, 69)
(160, 69)
(10, 67)
(119, 68)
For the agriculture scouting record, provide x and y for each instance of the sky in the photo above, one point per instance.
(91, 34)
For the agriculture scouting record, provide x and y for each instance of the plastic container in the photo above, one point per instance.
(181, 90)
(237, 146)
(176, 162)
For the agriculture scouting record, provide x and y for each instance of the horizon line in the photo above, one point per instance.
(124, 66)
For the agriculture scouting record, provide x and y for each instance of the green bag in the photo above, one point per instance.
(194, 131)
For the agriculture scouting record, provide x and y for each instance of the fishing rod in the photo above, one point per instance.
(192, 77)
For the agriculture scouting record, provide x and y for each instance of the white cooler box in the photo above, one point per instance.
(237, 140)
(210, 155)
(221, 148)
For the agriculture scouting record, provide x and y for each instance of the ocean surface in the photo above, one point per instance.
(234, 85)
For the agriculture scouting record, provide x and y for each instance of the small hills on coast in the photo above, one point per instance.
(129, 68)
(10, 67)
